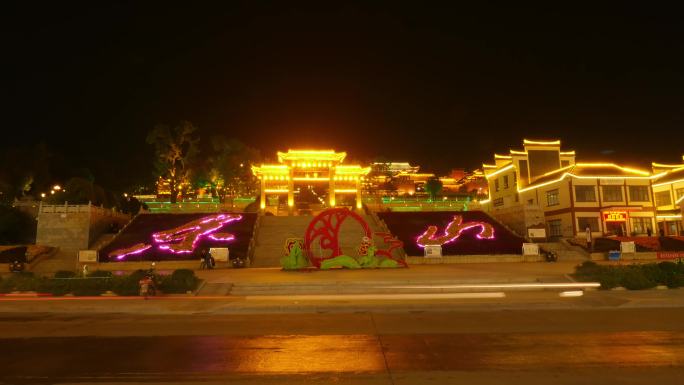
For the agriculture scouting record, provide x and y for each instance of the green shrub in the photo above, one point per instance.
(609, 277)
(65, 274)
(637, 278)
(90, 286)
(58, 287)
(100, 274)
(179, 282)
(672, 274)
(127, 285)
(23, 281)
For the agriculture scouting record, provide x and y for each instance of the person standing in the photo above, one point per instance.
(649, 231)
(588, 231)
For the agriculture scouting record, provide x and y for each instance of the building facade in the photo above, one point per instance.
(607, 198)
(668, 193)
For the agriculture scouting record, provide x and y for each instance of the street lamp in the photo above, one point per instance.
(56, 187)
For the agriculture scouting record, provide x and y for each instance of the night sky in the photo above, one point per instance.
(441, 87)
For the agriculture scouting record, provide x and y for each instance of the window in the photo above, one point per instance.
(679, 193)
(585, 194)
(591, 222)
(639, 225)
(517, 197)
(552, 197)
(498, 202)
(522, 166)
(555, 228)
(565, 163)
(663, 198)
(530, 202)
(505, 181)
(638, 193)
(496, 184)
(612, 193)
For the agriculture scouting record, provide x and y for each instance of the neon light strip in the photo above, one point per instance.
(276, 190)
(666, 183)
(347, 190)
(554, 142)
(677, 216)
(510, 166)
(134, 252)
(311, 179)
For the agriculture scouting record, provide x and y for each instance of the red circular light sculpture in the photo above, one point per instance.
(325, 228)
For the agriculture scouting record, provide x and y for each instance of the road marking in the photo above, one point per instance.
(314, 297)
(572, 293)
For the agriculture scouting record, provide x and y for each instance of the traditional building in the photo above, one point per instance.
(668, 192)
(310, 167)
(543, 182)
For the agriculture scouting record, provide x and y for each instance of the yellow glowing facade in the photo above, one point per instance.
(322, 166)
(547, 185)
(668, 191)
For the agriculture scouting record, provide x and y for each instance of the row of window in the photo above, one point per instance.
(610, 194)
(663, 198)
(504, 179)
(639, 225)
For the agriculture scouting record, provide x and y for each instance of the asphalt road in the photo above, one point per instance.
(526, 346)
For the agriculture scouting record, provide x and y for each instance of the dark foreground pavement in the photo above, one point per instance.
(642, 345)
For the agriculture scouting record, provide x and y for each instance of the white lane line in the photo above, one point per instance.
(313, 297)
(502, 286)
(572, 293)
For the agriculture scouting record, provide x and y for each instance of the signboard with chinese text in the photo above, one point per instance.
(530, 249)
(433, 251)
(627, 247)
(89, 256)
(670, 255)
(615, 216)
(536, 233)
(220, 254)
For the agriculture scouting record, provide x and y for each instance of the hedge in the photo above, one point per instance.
(633, 277)
(97, 282)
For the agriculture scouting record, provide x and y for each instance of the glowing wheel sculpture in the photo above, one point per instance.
(325, 229)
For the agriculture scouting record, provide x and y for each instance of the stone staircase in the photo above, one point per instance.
(61, 260)
(273, 230)
(565, 251)
(270, 239)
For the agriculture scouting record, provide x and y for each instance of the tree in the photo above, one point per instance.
(175, 149)
(433, 186)
(231, 171)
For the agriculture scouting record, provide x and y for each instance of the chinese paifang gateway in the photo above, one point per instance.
(311, 167)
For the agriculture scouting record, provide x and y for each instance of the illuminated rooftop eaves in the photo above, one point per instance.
(311, 155)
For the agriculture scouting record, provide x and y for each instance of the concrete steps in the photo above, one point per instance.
(215, 289)
(565, 251)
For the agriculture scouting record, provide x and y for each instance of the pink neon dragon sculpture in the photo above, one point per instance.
(184, 238)
(452, 231)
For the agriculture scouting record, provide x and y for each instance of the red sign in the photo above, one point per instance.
(615, 216)
(670, 254)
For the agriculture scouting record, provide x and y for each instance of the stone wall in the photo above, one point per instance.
(520, 218)
(74, 227)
